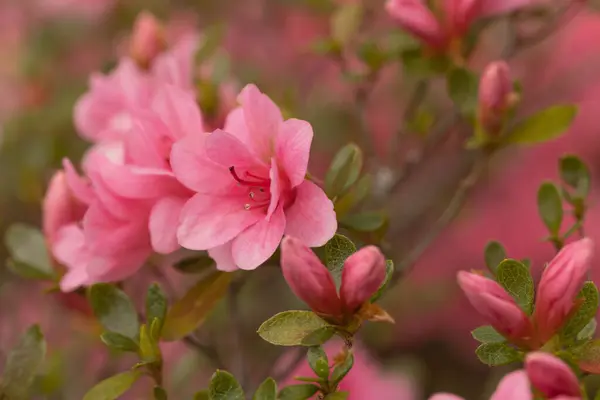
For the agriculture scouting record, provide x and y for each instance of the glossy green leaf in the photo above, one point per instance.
(119, 342)
(319, 336)
(494, 254)
(487, 334)
(345, 22)
(290, 328)
(544, 125)
(353, 197)
(576, 174)
(550, 207)
(516, 279)
(298, 392)
(494, 354)
(341, 370)
(336, 251)
(194, 265)
(30, 257)
(344, 170)
(223, 386)
(113, 387)
(156, 308)
(389, 273)
(114, 310)
(22, 364)
(318, 362)
(462, 86)
(266, 391)
(191, 310)
(585, 313)
(160, 393)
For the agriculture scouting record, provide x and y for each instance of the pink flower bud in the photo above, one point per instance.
(551, 376)
(363, 274)
(59, 207)
(416, 18)
(561, 281)
(495, 89)
(514, 386)
(308, 278)
(460, 14)
(147, 39)
(495, 305)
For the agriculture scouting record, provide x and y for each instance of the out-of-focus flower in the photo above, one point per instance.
(59, 207)
(551, 376)
(495, 95)
(250, 185)
(495, 305)
(309, 279)
(561, 281)
(147, 39)
(416, 18)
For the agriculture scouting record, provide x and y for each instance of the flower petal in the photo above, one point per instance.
(256, 244)
(275, 188)
(311, 217)
(80, 188)
(225, 149)
(164, 220)
(178, 110)
(235, 123)
(293, 149)
(513, 386)
(223, 257)
(209, 221)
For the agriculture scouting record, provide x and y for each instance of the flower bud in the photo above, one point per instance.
(560, 283)
(514, 386)
(363, 274)
(551, 376)
(495, 305)
(147, 39)
(495, 95)
(308, 278)
(460, 14)
(416, 18)
(59, 207)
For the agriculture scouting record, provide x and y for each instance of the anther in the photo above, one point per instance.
(246, 206)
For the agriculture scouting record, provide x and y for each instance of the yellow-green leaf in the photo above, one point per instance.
(516, 279)
(113, 387)
(544, 125)
(290, 328)
(494, 354)
(223, 386)
(266, 391)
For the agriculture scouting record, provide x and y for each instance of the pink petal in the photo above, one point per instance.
(69, 248)
(293, 149)
(74, 279)
(363, 274)
(228, 151)
(311, 217)
(60, 208)
(194, 169)
(80, 188)
(211, 220)
(235, 123)
(178, 110)
(275, 188)
(512, 387)
(148, 143)
(113, 269)
(445, 396)
(256, 244)
(164, 220)
(263, 120)
(223, 257)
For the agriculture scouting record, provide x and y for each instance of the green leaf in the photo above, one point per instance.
(494, 354)
(389, 273)
(372, 54)
(194, 265)
(326, 46)
(192, 309)
(266, 391)
(318, 337)
(213, 36)
(341, 370)
(354, 196)
(156, 308)
(462, 86)
(515, 278)
(336, 251)
(586, 312)
(119, 342)
(113, 387)
(317, 359)
(298, 392)
(368, 221)
(160, 393)
(290, 328)
(588, 356)
(494, 254)
(223, 386)
(346, 21)
(30, 257)
(22, 364)
(202, 395)
(337, 396)
(149, 351)
(114, 310)
(576, 174)
(344, 170)
(588, 331)
(550, 207)
(416, 63)
(487, 334)
(544, 125)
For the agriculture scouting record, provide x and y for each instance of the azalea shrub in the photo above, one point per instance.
(276, 199)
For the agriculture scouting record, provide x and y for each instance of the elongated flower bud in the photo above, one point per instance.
(417, 19)
(59, 207)
(364, 272)
(561, 281)
(460, 14)
(495, 95)
(147, 39)
(551, 376)
(495, 305)
(308, 278)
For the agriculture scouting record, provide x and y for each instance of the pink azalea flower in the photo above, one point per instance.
(250, 186)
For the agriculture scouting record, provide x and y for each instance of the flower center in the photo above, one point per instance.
(258, 189)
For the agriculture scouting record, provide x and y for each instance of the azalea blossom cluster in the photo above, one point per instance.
(157, 178)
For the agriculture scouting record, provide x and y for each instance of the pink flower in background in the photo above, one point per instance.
(250, 185)
(59, 207)
(309, 279)
(147, 39)
(495, 95)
